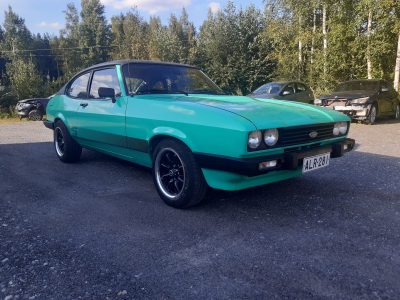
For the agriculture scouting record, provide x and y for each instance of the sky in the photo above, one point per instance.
(47, 15)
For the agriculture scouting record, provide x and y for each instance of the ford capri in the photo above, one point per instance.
(173, 119)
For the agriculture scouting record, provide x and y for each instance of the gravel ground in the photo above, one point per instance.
(98, 230)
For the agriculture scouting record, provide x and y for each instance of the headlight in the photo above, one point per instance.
(254, 139)
(340, 128)
(360, 100)
(271, 137)
(318, 102)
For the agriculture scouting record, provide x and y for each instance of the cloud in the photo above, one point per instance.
(214, 7)
(53, 25)
(150, 6)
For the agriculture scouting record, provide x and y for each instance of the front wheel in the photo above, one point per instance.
(35, 115)
(67, 149)
(372, 114)
(397, 112)
(178, 179)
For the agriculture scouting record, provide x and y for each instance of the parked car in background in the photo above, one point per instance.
(364, 100)
(175, 120)
(294, 91)
(33, 109)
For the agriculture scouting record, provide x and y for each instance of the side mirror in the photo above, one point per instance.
(384, 89)
(285, 93)
(107, 93)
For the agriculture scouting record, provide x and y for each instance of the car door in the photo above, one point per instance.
(102, 119)
(387, 97)
(303, 94)
(288, 92)
(75, 92)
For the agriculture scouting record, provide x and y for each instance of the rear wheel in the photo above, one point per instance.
(372, 114)
(178, 179)
(397, 112)
(67, 149)
(35, 115)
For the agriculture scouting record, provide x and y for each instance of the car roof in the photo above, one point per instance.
(128, 61)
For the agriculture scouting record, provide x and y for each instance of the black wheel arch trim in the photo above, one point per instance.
(49, 124)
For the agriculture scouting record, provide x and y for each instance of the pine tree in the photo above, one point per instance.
(94, 33)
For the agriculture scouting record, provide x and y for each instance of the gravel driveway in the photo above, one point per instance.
(98, 230)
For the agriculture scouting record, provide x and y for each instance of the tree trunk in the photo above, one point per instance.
(300, 51)
(369, 63)
(313, 35)
(325, 37)
(397, 68)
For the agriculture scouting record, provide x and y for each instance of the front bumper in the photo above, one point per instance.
(358, 112)
(289, 160)
(22, 112)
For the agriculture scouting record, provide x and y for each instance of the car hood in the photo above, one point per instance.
(267, 113)
(350, 95)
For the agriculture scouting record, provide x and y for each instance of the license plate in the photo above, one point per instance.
(315, 162)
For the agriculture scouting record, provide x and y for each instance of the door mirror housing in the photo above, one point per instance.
(285, 93)
(107, 93)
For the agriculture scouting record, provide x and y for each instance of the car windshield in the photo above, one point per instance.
(358, 86)
(144, 78)
(269, 88)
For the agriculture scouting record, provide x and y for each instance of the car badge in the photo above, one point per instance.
(313, 134)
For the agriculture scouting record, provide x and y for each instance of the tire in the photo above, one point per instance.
(35, 115)
(67, 149)
(397, 112)
(178, 179)
(371, 119)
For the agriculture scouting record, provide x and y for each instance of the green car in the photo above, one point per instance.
(175, 120)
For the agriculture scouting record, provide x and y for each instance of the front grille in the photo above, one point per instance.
(301, 134)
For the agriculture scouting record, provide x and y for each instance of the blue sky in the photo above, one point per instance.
(47, 15)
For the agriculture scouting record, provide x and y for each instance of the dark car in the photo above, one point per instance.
(295, 91)
(33, 109)
(364, 100)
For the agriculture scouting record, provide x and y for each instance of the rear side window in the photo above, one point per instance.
(78, 87)
(106, 78)
(290, 89)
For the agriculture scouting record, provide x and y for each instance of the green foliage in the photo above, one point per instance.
(24, 78)
(233, 51)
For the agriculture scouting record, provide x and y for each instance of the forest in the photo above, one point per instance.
(319, 42)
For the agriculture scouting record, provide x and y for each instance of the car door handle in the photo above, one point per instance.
(84, 104)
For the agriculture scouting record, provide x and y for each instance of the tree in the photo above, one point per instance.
(130, 34)
(16, 34)
(94, 33)
(24, 78)
(232, 49)
(70, 59)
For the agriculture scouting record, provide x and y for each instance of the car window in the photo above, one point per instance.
(269, 88)
(167, 79)
(289, 89)
(78, 88)
(301, 88)
(106, 78)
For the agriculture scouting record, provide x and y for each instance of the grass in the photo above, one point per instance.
(10, 120)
